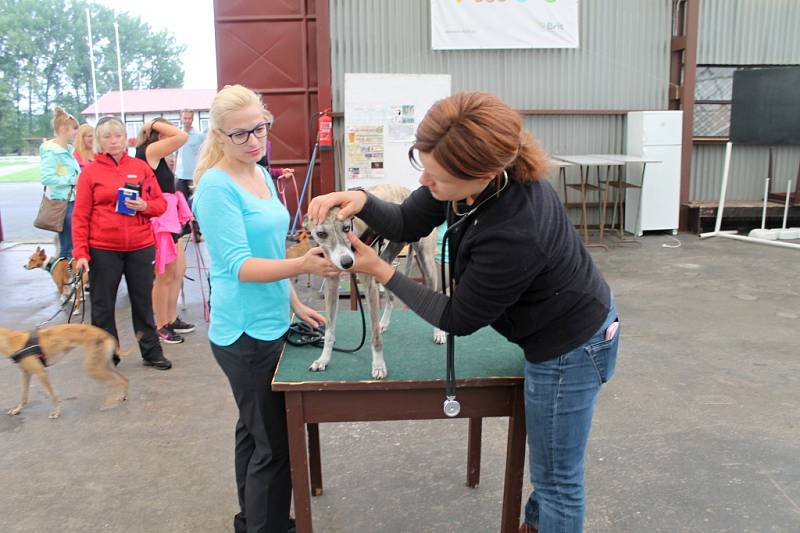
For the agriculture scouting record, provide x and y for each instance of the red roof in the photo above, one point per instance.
(153, 101)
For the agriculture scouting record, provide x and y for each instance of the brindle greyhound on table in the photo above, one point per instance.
(33, 351)
(331, 236)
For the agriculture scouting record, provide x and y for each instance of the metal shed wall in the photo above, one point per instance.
(622, 63)
(745, 32)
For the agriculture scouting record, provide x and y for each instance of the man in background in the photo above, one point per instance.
(187, 161)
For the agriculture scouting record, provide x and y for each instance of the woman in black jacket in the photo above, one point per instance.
(519, 266)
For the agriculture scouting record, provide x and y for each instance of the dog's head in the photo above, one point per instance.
(36, 260)
(331, 236)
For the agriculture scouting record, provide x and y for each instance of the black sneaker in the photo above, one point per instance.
(170, 337)
(162, 363)
(179, 326)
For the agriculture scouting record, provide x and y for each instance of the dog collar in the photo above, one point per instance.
(31, 348)
(52, 262)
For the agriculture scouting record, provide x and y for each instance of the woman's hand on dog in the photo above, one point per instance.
(350, 202)
(368, 261)
(315, 262)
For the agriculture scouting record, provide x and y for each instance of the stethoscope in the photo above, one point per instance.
(452, 407)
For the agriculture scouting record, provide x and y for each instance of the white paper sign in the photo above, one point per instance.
(492, 24)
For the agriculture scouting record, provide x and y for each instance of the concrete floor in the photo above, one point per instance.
(699, 431)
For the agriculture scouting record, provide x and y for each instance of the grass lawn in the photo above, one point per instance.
(32, 174)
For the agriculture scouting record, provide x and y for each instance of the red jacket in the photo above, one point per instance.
(95, 222)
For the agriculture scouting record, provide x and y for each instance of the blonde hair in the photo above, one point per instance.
(62, 118)
(103, 125)
(230, 98)
(86, 152)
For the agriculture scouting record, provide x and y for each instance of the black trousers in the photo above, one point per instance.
(263, 477)
(105, 273)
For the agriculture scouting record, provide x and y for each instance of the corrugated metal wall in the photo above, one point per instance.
(622, 63)
(749, 32)
(745, 32)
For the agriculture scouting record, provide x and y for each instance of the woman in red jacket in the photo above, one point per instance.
(108, 243)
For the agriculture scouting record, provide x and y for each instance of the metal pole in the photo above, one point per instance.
(725, 171)
(91, 60)
(119, 74)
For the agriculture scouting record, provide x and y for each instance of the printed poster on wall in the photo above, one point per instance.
(364, 145)
(495, 24)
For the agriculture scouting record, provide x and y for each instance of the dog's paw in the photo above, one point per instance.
(54, 415)
(319, 365)
(15, 411)
(384, 326)
(379, 370)
(439, 336)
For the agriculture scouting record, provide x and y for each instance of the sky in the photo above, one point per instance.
(192, 24)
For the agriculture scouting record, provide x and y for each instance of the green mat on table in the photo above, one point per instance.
(409, 351)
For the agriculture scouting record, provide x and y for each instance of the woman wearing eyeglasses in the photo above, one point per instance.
(245, 228)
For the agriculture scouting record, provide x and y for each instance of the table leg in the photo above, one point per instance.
(639, 207)
(515, 465)
(315, 462)
(474, 452)
(298, 456)
(604, 194)
(584, 171)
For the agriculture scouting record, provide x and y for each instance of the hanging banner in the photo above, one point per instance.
(492, 24)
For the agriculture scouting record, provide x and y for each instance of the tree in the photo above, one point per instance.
(44, 61)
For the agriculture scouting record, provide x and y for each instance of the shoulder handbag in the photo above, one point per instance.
(52, 213)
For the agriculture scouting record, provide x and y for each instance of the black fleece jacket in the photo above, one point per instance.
(519, 266)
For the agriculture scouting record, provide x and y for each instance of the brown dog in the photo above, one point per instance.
(98, 349)
(62, 272)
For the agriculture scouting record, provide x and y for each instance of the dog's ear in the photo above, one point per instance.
(37, 250)
(306, 223)
(42, 254)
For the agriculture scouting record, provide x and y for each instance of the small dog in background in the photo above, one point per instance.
(331, 236)
(61, 271)
(99, 350)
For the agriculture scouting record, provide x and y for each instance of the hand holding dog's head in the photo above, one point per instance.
(331, 236)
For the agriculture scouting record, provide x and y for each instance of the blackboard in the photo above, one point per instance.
(766, 106)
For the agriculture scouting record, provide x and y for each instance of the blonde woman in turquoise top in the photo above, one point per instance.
(59, 171)
(245, 228)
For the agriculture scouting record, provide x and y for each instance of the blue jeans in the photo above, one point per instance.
(559, 403)
(65, 237)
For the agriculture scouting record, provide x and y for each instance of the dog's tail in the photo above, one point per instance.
(120, 353)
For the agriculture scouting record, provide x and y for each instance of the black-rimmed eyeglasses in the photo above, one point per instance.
(242, 136)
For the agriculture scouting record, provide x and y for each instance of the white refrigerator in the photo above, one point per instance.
(654, 135)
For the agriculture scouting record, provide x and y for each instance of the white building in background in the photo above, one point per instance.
(147, 104)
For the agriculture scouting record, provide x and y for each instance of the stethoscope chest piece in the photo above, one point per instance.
(451, 407)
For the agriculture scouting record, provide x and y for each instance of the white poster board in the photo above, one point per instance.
(485, 24)
(381, 115)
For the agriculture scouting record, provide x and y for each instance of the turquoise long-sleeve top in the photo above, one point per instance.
(59, 170)
(237, 226)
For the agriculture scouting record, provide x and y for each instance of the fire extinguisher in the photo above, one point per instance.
(325, 131)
